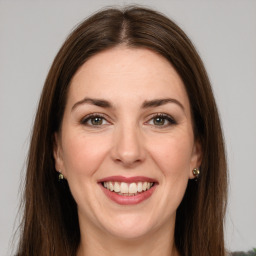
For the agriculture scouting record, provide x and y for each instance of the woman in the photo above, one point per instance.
(127, 154)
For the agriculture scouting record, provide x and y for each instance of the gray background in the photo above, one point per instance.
(224, 32)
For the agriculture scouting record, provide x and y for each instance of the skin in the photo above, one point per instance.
(128, 141)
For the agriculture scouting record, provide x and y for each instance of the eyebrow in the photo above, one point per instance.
(96, 102)
(146, 104)
(160, 102)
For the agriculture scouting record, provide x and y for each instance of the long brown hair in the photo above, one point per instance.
(50, 222)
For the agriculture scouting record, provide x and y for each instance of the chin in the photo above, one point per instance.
(129, 233)
(129, 226)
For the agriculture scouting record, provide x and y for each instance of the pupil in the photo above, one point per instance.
(159, 121)
(97, 121)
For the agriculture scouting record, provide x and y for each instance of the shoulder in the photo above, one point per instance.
(250, 253)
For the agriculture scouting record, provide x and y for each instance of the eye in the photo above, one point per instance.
(162, 120)
(94, 120)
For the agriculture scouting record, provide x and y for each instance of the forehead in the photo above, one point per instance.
(127, 74)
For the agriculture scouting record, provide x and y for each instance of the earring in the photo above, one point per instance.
(61, 176)
(196, 172)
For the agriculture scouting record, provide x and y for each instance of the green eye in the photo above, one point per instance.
(162, 120)
(96, 120)
(159, 121)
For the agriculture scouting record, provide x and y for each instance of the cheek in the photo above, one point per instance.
(82, 155)
(173, 155)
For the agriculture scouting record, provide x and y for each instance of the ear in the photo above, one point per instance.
(196, 158)
(57, 153)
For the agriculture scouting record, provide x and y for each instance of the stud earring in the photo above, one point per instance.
(61, 176)
(196, 172)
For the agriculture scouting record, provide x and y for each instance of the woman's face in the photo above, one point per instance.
(126, 145)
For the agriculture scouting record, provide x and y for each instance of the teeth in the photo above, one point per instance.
(144, 186)
(116, 187)
(140, 187)
(127, 189)
(133, 188)
(111, 187)
(124, 188)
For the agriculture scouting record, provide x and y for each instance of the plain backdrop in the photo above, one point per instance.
(224, 32)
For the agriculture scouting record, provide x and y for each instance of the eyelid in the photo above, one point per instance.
(168, 117)
(84, 120)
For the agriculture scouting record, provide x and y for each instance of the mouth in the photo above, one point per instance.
(127, 191)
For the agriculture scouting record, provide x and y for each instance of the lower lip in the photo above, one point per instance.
(128, 200)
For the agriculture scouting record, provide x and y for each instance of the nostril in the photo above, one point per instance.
(128, 162)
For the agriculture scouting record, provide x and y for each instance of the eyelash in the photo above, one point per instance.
(164, 117)
(89, 117)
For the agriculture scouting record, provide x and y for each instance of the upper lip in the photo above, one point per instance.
(127, 179)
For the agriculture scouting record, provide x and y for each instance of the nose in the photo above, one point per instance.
(128, 147)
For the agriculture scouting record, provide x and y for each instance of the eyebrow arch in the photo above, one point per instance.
(146, 104)
(96, 102)
(160, 102)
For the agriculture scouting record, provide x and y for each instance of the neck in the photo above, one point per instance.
(155, 243)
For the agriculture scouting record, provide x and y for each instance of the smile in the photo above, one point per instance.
(128, 191)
